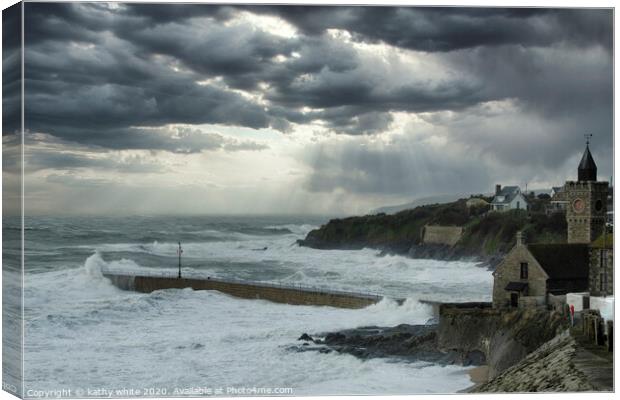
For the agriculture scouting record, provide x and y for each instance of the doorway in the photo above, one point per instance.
(514, 300)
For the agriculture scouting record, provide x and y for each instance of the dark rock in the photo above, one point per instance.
(334, 338)
(407, 342)
(306, 338)
(475, 357)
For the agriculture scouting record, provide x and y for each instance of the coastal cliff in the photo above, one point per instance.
(486, 236)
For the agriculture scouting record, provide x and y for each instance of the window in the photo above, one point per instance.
(523, 270)
(598, 205)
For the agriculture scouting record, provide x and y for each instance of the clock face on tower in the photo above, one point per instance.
(579, 205)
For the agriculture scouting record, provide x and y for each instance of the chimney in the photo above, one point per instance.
(520, 240)
(498, 188)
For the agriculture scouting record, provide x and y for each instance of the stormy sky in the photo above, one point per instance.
(208, 109)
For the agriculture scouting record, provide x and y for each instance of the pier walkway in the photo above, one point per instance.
(272, 291)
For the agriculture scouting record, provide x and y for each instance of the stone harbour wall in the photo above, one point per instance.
(247, 290)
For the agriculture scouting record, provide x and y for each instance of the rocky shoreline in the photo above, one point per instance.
(419, 251)
(405, 342)
(517, 351)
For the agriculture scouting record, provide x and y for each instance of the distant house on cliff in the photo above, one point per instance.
(508, 198)
(531, 272)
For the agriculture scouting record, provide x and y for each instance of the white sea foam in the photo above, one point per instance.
(84, 332)
(180, 338)
(358, 270)
(300, 230)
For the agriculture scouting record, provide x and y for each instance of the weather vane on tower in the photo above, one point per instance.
(588, 136)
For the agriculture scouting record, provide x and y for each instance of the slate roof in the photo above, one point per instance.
(506, 195)
(562, 261)
(587, 167)
(587, 161)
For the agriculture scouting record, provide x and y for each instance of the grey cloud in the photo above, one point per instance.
(452, 28)
(418, 28)
(11, 70)
(77, 181)
(361, 123)
(137, 93)
(559, 95)
(178, 140)
(396, 169)
(41, 160)
(554, 63)
(211, 48)
(244, 146)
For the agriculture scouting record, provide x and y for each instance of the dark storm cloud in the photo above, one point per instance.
(452, 28)
(211, 49)
(11, 70)
(96, 73)
(419, 28)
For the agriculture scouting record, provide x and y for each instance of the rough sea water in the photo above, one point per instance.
(84, 335)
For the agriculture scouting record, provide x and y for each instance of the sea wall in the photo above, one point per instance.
(437, 234)
(504, 337)
(247, 290)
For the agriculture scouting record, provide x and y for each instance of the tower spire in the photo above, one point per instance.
(587, 167)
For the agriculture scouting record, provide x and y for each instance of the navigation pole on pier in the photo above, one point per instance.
(179, 252)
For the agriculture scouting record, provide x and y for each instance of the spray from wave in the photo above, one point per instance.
(95, 266)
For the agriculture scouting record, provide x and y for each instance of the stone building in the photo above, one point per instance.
(586, 202)
(601, 279)
(530, 272)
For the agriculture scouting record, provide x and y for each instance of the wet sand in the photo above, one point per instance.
(479, 374)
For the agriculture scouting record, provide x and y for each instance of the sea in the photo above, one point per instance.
(87, 337)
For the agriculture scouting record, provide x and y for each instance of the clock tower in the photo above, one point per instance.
(586, 207)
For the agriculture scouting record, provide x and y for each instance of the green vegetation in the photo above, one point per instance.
(485, 233)
(494, 233)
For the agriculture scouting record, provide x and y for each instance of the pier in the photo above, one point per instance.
(275, 292)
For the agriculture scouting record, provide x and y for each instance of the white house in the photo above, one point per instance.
(508, 198)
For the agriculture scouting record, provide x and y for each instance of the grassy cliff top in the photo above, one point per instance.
(485, 233)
